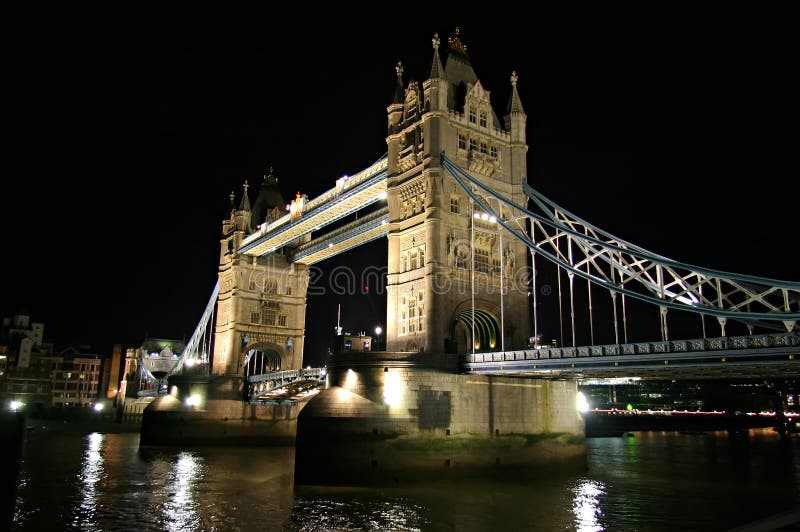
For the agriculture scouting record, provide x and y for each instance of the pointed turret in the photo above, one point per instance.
(435, 87)
(437, 70)
(395, 109)
(242, 214)
(397, 95)
(244, 205)
(515, 115)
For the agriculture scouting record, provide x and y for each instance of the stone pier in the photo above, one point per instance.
(403, 417)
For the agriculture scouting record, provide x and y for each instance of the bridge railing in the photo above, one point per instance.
(290, 374)
(670, 346)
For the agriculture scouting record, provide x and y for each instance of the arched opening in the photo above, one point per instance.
(261, 359)
(487, 331)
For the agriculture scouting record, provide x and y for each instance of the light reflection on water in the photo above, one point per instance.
(650, 481)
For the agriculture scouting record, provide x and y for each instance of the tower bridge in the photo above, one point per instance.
(466, 236)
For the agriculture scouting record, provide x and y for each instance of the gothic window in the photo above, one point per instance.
(482, 260)
(413, 260)
(271, 286)
(255, 317)
(282, 321)
(268, 317)
(462, 141)
(288, 290)
(473, 144)
(483, 119)
(421, 257)
(454, 207)
(252, 285)
(472, 115)
(483, 147)
(493, 151)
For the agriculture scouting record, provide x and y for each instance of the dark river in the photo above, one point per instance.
(644, 481)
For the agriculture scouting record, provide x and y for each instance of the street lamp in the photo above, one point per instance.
(378, 332)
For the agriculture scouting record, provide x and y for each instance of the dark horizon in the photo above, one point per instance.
(675, 132)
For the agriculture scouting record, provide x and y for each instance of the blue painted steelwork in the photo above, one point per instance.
(735, 293)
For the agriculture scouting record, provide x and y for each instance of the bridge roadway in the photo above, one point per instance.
(731, 357)
(350, 195)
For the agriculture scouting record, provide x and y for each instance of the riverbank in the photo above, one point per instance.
(618, 422)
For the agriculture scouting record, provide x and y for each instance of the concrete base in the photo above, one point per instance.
(219, 417)
(401, 417)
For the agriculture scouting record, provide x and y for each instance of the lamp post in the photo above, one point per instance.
(378, 332)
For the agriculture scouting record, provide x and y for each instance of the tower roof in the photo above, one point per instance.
(458, 71)
(269, 197)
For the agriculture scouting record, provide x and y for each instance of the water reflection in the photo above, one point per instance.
(586, 505)
(180, 511)
(89, 477)
(319, 513)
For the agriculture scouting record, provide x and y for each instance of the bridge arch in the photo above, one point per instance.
(262, 357)
(487, 329)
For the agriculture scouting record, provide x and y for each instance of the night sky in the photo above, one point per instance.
(126, 131)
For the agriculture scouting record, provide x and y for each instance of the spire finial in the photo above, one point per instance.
(514, 78)
(435, 41)
(232, 196)
(245, 186)
(456, 43)
(399, 69)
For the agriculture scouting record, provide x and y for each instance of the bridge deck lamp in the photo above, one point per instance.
(378, 331)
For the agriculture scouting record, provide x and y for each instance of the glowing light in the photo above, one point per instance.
(378, 330)
(351, 379)
(98, 407)
(484, 216)
(173, 391)
(392, 389)
(581, 403)
(15, 405)
(193, 400)
(493, 219)
(382, 196)
(189, 362)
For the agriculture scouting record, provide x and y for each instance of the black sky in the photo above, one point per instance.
(126, 131)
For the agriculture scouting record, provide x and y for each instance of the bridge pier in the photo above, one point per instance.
(210, 409)
(403, 417)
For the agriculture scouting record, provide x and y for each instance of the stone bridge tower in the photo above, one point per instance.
(261, 306)
(443, 254)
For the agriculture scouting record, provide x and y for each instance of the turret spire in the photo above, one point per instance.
(514, 103)
(456, 44)
(398, 95)
(270, 179)
(436, 65)
(233, 197)
(244, 205)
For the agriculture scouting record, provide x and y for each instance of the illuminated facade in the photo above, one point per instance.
(261, 308)
(447, 260)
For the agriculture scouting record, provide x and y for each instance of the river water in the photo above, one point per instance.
(646, 481)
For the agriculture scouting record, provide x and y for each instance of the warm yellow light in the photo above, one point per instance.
(392, 389)
(351, 379)
(193, 400)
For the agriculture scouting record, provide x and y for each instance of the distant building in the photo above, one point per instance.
(353, 342)
(110, 381)
(28, 364)
(76, 377)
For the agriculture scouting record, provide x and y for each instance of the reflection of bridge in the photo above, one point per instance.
(468, 240)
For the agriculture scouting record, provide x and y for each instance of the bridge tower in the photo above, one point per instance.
(261, 306)
(444, 258)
